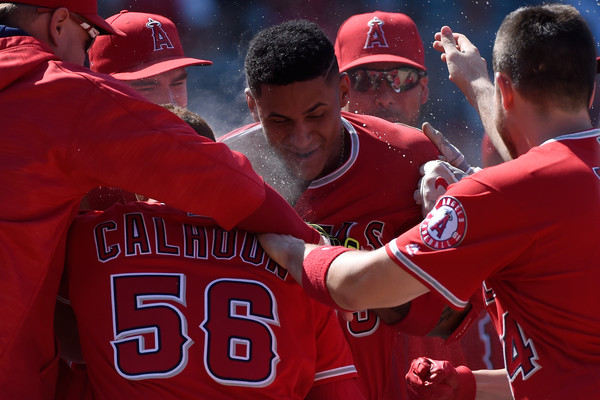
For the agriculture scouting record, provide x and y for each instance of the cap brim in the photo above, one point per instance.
(159, 68)
(104, 27)
(381, 58)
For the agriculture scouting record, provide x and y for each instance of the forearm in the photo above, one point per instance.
(481, 96)
(360, 280)
(344, 278)
(492, 385)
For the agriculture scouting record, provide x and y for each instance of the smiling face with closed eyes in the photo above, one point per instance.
(302, 122)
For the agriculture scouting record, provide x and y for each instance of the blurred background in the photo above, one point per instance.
(219, 30)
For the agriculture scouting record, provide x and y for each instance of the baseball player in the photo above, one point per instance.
(383, 55)
(355, 174)
(171, 306)
(510, 227)
(66, 130)
(149, 59)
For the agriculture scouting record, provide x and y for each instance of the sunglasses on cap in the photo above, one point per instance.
(400, 79)
(91, 30)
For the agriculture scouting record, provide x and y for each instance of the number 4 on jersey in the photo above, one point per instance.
(519, 351)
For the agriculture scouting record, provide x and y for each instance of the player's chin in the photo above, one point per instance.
(306, 166)
(307, 170)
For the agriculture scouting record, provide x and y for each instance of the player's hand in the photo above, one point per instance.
(326, 238)
(345, 315)
(286, 251)
(467, 69)
(429, 379)
(448, 151)
(437, 175)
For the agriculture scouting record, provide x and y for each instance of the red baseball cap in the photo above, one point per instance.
(86, 8)
(151, 46)
(379, 37)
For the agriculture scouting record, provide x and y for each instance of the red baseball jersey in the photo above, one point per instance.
(170, 307)
(366, 202)
(527, 229)
(65, 131)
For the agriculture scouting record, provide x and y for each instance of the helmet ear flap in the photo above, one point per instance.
(102, 197)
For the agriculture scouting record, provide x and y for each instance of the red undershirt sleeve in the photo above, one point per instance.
(275, 215)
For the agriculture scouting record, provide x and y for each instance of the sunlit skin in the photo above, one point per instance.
(81, 41)
(164, 88)
(403, 107)
(302, 123)
(67, 39)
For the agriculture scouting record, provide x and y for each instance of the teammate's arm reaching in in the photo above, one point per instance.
(349, 283)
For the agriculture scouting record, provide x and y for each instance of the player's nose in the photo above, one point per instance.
(301, 136)
(384, 98)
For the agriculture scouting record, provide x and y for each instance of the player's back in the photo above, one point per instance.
(544, 298)
(170, 307)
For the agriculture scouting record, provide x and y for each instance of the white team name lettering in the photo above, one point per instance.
(140, 235)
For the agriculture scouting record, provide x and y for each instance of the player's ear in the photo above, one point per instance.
(506, 88)
(56, 28)
(251, 104)
(344, 88)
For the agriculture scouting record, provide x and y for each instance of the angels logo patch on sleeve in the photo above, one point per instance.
(445, 225)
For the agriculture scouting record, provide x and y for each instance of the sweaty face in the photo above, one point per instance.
(164, 88)
(384, 102)
(302, 123)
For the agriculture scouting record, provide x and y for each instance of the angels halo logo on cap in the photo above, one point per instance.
(376, 35)
(445, 225)
(161, 39)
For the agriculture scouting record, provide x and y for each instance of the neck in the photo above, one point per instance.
(338, 157)
(533, 127)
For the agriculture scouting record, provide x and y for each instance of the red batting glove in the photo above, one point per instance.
(430, 379)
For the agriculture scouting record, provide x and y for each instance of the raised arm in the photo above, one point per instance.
(468, 70)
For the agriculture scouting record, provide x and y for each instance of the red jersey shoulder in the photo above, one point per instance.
(446, 224)
(411, 141)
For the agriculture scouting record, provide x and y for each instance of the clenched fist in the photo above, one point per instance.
(430, 379)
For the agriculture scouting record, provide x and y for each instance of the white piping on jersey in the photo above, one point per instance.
(347, 369)
(577, 135)
(246, 132)
(354, 147)
(426, 277)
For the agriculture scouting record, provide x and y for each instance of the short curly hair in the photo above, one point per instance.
(293, 51)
